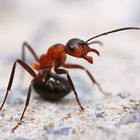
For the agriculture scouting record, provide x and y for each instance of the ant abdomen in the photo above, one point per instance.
(52, 88)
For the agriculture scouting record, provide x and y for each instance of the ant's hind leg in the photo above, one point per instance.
(76, 66)
(25, 45)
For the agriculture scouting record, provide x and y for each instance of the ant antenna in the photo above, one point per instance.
(95, 42)
(113, 31)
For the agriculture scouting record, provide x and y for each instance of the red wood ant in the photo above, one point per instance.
(49, 85)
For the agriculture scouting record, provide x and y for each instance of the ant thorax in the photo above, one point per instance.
(44, 71)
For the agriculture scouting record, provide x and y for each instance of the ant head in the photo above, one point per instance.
(79, 48)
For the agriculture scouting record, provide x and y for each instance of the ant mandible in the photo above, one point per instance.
(49, 85)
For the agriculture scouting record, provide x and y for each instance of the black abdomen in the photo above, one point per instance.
(53, 87)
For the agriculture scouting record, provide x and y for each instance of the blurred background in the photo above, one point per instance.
(42, 23)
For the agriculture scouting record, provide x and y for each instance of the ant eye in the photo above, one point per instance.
(71, 47)
(73, 43)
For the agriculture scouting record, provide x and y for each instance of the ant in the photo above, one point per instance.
(51, 86)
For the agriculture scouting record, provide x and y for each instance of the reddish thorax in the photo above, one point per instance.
(55, 53)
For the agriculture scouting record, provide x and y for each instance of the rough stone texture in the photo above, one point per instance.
(109, 118)
(43, 23)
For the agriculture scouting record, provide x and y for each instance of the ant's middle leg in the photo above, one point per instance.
(32, 73)
(76, 66)
(26, 67)
(62, 71)
(25, 107)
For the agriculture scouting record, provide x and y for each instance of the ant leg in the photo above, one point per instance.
(25, 107)
(76, 66)
(62, 71)
(25, 44)
(26, 67)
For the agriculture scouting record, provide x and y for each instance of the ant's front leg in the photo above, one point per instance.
(62, 71)
(76, 66)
